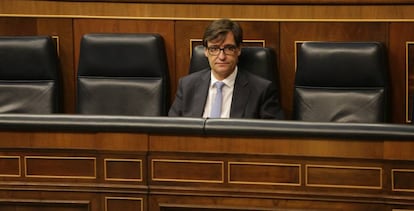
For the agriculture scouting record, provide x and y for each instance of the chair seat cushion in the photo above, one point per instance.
(340, 105)
(120, 96)
(27, 97)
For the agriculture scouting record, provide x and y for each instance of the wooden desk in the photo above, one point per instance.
(70, 162)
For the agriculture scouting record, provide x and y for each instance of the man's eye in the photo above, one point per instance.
(231, 48)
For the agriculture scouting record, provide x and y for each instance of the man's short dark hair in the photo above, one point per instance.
(218, 29)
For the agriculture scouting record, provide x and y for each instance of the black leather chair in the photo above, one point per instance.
(260, 60)
(29, 75)
(122, 74)
(341, 82)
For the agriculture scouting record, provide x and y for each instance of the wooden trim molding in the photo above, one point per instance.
(261, 2)
(409, 48)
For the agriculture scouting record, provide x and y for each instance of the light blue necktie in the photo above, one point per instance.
(216, 107)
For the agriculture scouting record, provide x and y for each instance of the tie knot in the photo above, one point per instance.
(219, 84)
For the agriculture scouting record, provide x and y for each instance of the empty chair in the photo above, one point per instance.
(29, 75)
(259, 60)
(122, 74)
(341, 82)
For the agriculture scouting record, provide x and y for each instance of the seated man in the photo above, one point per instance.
(223, 90)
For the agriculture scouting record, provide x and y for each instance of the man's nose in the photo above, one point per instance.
(221, 54)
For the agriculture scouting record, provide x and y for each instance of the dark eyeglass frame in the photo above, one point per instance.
(227, 50)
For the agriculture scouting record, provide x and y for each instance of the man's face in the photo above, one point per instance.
(222, 56)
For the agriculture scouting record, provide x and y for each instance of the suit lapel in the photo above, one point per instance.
(201, 92)
(240, 96)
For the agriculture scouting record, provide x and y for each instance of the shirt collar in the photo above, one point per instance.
(229, 81)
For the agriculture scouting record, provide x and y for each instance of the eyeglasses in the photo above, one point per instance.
(228, 50)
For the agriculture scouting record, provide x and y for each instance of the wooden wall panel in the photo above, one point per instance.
(164, 28)
(205, 171)
(34, 200)
(18, 26)
(264, 173)
(84, 141)
(344, 148)
(151, 170)
(72, 180)
(124, 204)
(294, 174)
(179, 11)
(291, 32)
(403, 180)
(61, 28)
(123, 170)
(42, 206)
(10, 166)
(356, 177)
(60, 167)
(362, 2)
(402, 88)
(200, 203)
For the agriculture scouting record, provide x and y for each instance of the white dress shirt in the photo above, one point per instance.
(227, 92)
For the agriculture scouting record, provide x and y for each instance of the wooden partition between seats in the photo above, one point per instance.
(101, 163)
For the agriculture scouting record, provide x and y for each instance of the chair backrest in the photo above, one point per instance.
(122, 74)
(341, 82)
(29, 75)
(258, 60)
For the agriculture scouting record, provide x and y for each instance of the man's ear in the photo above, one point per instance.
(205, 52)
(239, 51)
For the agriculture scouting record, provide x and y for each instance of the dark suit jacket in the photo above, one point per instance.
(253, 96)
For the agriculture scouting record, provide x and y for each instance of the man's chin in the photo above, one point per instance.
(222, 68)
(223, 71)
